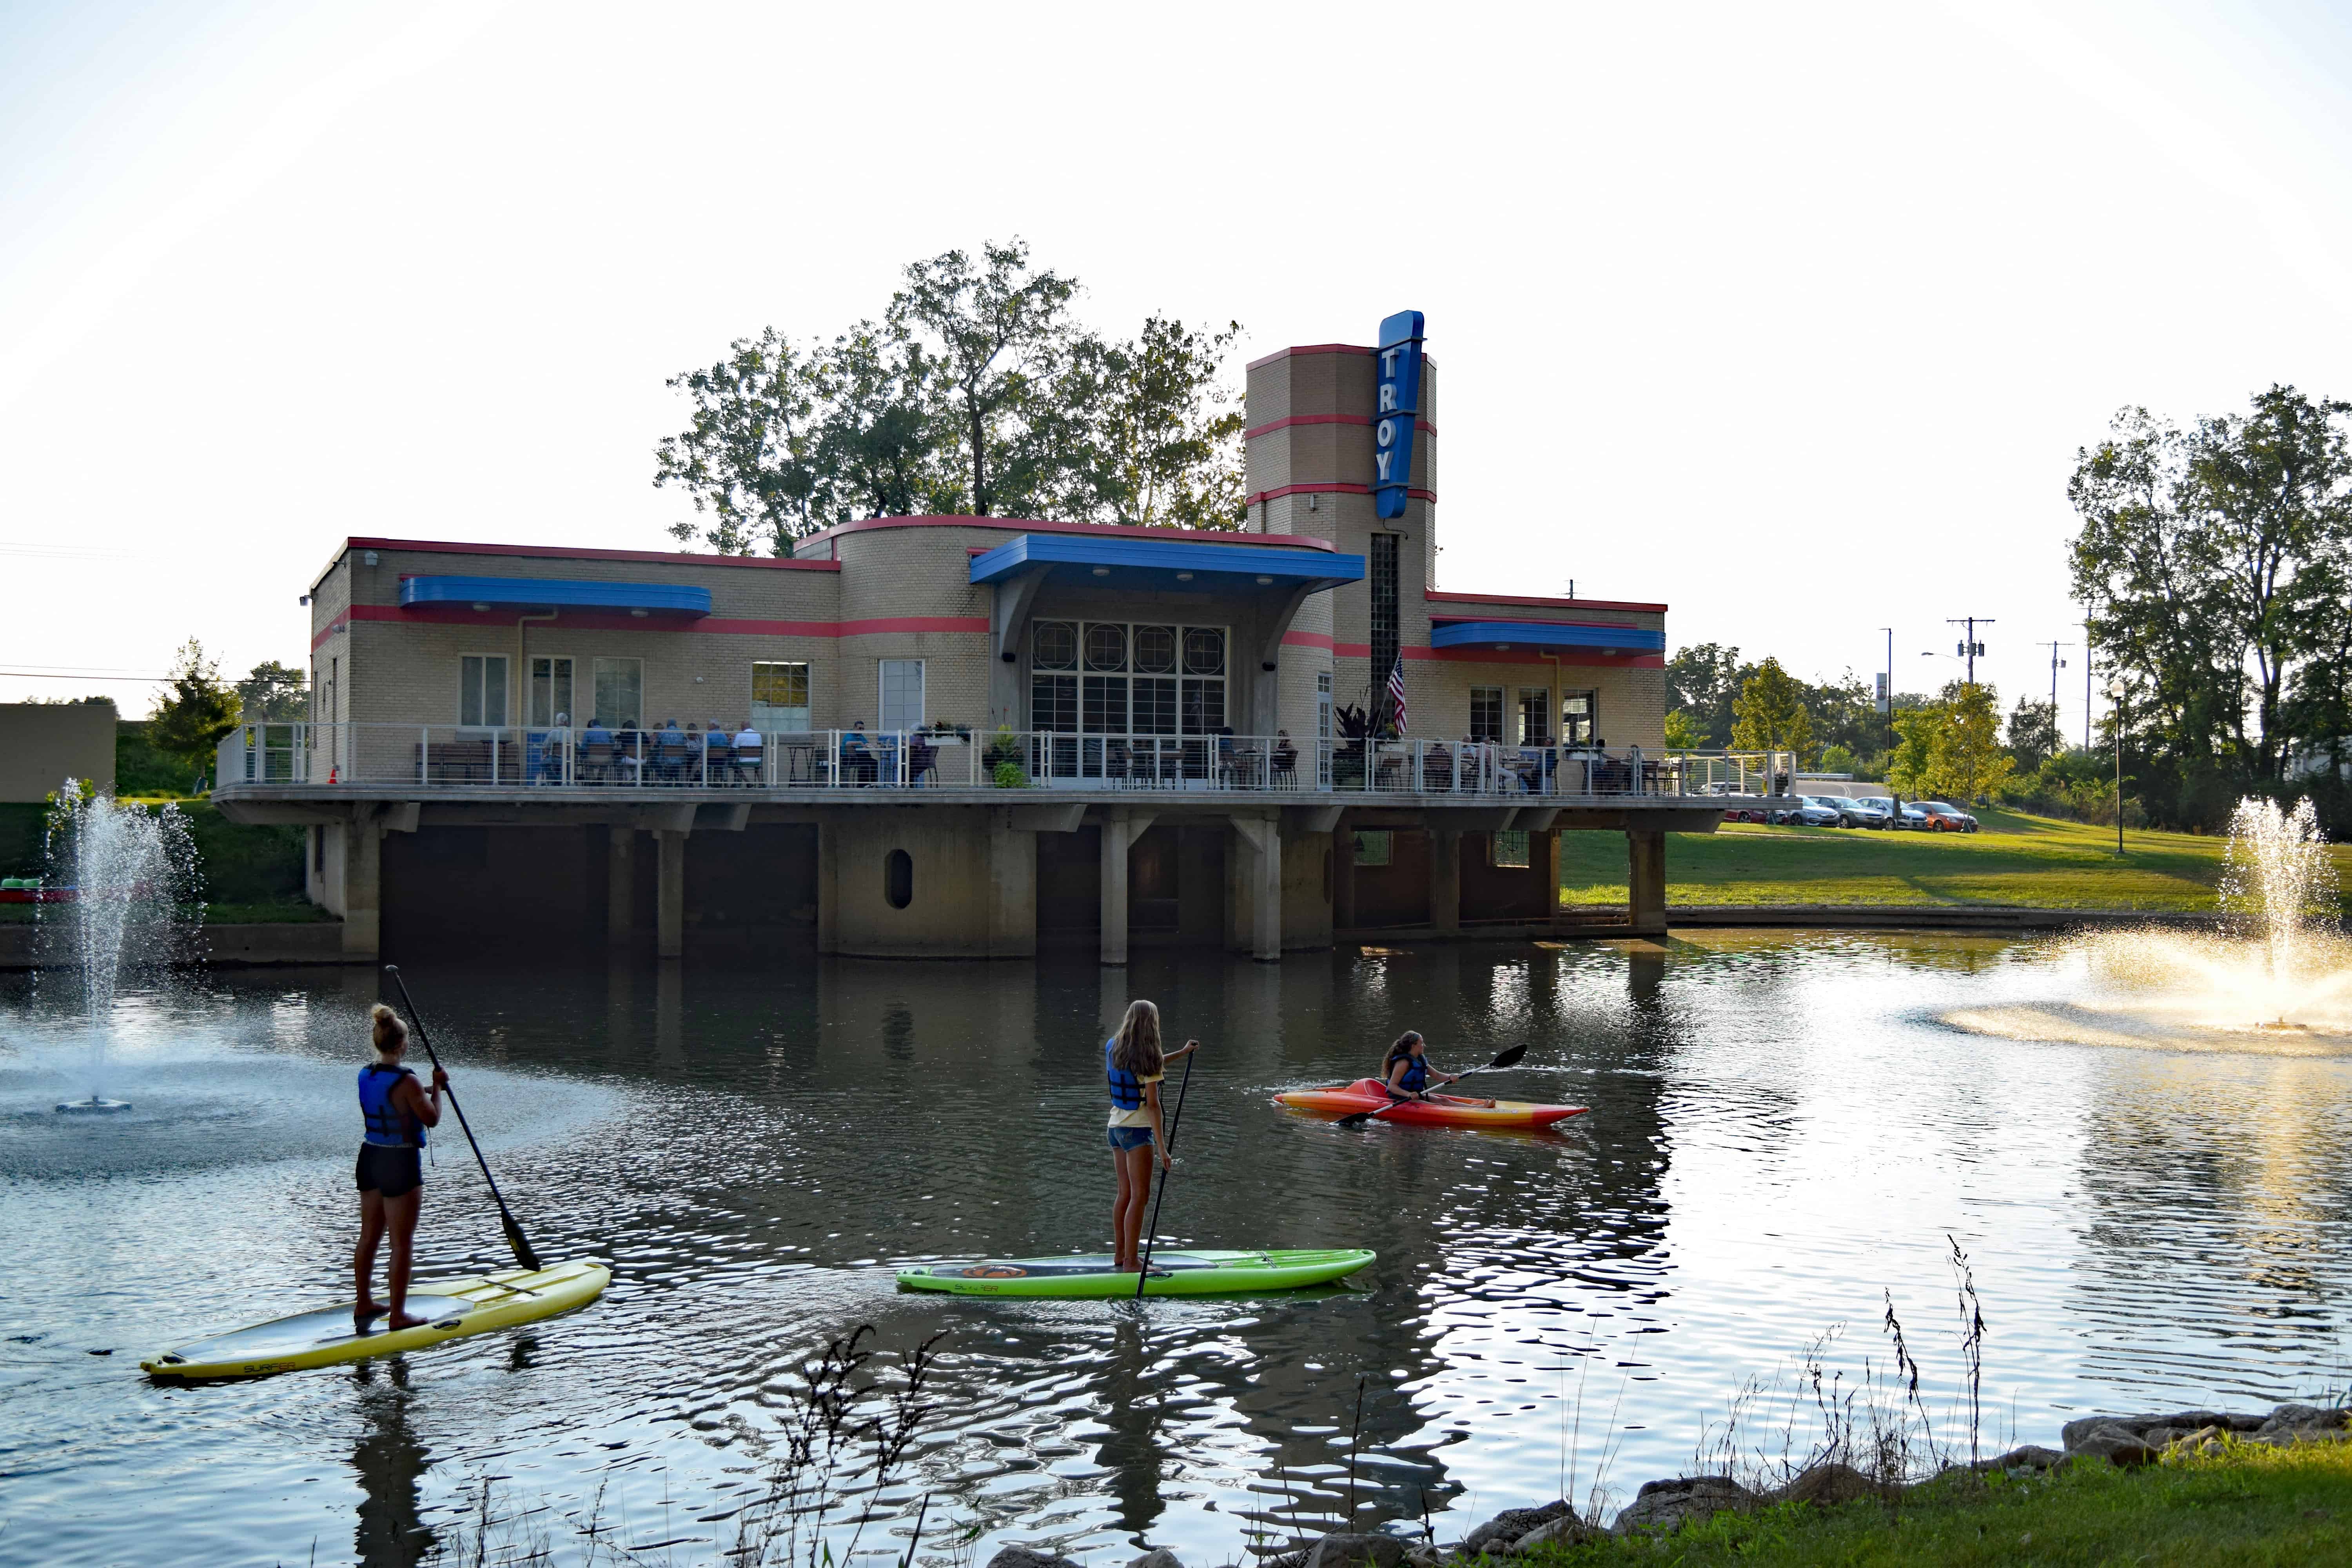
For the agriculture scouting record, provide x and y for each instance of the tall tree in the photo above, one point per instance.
(1769, 713)
(999, 332)
(876, 446)
(746, 461)
(197, 711)
(1702, 681)
(1153, 430)
(2034, 736)
(1965, 758)
(274, 693)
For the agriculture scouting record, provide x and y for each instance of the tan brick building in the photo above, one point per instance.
(960, 735)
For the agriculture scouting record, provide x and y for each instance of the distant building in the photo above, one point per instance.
(971, 736)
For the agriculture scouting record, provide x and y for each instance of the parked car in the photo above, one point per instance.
(1882, 807)
(1857, 811)
(1814, 811)
(1940, 817)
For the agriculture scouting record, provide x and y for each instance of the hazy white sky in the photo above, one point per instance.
(1790, 316)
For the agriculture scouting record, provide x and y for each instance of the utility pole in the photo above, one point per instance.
(1886, 682)
(2089, 659)
(2058, 736)
(1970, 649)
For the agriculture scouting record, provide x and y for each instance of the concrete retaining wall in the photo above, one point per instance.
(227, 946)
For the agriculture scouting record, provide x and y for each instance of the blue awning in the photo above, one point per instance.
(555, 593)
(1164, 564)
(1547, 633)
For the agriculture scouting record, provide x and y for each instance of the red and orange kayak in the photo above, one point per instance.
(1366, 1094)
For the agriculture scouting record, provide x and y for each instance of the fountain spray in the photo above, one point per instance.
(2279, 886)
(125, 874)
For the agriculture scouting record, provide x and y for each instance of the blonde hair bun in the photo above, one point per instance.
(390, 1033)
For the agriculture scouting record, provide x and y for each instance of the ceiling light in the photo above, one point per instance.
(1183, 576)
(1102, 571)
(1264, 581)
(479, 605)
(641, 615)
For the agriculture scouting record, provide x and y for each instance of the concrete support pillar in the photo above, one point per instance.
(671, 898)
(1343, 877)
(362, 884)
(828, 888)
(620, 884)
(1012, 888)
(1121, 826)
(1445, 880)
(1646, 881)
(1254, 911)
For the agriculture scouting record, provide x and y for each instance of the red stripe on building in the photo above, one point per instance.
(1430, 495)
(1560, 604)
(1255, 431)
(1112, 530)
(337, 624)
(708, 626)
(1306, 639)
(676, 557)
(1490, 656)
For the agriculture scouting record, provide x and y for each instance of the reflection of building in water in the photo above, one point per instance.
(389, 1459)
(2216, 1211)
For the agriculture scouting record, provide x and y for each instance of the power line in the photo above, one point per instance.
(1971, 649)
(45, 675)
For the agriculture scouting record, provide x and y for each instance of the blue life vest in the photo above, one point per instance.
(1126, 1089)
(388, 1125)
(1416, 1075)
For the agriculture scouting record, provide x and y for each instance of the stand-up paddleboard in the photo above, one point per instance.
(451, 1310)
(1196, 1272)
(1366, 1094)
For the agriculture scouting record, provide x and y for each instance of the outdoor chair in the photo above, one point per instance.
(596, 762)
(1437, 768)
(749, 761)
(670, 760)
(922, 757)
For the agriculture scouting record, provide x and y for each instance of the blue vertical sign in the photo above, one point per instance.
(1397, 412)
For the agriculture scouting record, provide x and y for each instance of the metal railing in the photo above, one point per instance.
(440, 756)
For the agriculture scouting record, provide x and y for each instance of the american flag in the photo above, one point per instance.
(1396, 693)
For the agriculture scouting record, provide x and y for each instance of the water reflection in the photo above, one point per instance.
(1780, 1129)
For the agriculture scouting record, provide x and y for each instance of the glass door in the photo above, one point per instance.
(550, 690)
(620, 693)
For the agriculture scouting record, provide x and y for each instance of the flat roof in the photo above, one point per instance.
(1095, 530)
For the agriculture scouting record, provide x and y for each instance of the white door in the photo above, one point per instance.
(902, 694)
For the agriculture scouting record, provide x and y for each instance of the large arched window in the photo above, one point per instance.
(899, 878)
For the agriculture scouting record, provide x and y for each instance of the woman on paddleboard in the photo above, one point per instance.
(1135, 1064)
(396, 1110)
(1408, 1074)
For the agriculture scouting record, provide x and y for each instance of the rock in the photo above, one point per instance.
(1342, 1550)
(2112, 1444)
(2300, 1423)
(1566, 1531)
(1664, 1507)
(1828, 1485)
(1157, 1557)
(1508, 1526)
(1023, 1557)
(2030, 1456)
(2158, 1430)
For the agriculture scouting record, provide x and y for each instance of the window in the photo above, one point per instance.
(898, 878)
(620, 693)
(902, 694)
(780, 698)
(1126, 680)
(1487, 713)
(482, 689)
(1373, 846)
(1507, 848)
(1579, 717)
(1535, 716)
(1384, 623)
(551, 689)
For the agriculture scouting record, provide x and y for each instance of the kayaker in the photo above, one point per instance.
(1407, 1073)
(396, 1110)
(1134, 1063)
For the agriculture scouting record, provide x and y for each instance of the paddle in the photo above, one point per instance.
(1357, 1118)
(515, 1238)
(1151, 1234)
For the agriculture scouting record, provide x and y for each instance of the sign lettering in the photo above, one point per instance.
(1400, 408)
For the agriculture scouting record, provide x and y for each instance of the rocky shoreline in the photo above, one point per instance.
(1662, 1507)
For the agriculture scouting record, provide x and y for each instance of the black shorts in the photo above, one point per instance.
(394, 1173)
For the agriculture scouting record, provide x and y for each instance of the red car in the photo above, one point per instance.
(1940, 817)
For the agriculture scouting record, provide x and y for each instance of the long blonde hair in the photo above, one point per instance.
(1136, 1048)
(390, 1033)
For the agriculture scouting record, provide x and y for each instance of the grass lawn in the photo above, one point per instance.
(2250, 1504)
(2030, 860)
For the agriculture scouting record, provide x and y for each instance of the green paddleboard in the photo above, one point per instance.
(1089, 1274)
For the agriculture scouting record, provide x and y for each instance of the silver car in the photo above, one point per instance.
(1859, 811)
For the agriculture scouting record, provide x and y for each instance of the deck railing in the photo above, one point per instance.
(440, 756)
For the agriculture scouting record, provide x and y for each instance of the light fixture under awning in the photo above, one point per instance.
(555, 593)
(1548, 634)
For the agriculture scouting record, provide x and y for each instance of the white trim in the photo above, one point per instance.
(505, 656)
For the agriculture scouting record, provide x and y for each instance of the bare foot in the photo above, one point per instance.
(402, 1320)
(362, 1315)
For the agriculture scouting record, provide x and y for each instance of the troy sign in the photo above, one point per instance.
(1397, 412)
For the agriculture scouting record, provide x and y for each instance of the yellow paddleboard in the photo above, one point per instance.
(451, 1310)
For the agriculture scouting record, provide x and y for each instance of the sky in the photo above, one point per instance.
(1791, 317)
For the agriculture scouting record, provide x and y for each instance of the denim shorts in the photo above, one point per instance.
(1125, 1138)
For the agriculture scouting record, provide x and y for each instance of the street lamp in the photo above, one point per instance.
(2116, 695)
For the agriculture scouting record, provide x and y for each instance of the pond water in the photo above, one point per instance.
(1784, 1132)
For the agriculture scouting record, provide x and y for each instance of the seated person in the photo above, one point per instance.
(751, 752)
(629, 744)
(717, 752)
(671, 754)
(597, 748)
(856, 759)
(922, 756)
(1286, 755)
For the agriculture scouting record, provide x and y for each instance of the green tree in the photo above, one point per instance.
(198, 709)
(1683, 732)
(1153, 432)
(997, 333)
(1703, 680)
(274, 692)
(1965, 756)
(878, 446)
(1769, 713)
(1911, 760)
(745, 459)
(2034, 736)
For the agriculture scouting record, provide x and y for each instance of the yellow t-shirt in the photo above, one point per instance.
(1141, 1115)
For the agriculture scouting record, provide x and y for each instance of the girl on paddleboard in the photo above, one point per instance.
(1135, 1064)
(1408, 1074)
(396, 1110)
